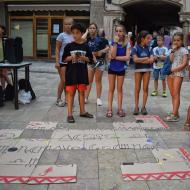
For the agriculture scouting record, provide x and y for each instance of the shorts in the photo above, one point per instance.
(118, 73)
(62, 65)
(157, 73)
(80, 87)
(101, 67)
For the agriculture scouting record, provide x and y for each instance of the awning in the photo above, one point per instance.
(49, 7)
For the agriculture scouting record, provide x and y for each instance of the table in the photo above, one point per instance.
(15, 68)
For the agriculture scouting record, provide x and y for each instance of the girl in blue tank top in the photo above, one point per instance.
(120, 54)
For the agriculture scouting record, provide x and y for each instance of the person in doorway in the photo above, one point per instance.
(143, 59)
(99, 47)
(62, 40)
(120, 54)
(179, 59)
(153, 43)
(160, 53)
(77, 54)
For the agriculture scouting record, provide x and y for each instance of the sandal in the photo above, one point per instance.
(144, 111)
(70, 119)
(171, 118)
(136, 111)
(86, 115)
(121, 113)
(109, 114)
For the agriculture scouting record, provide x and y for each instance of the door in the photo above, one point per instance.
(56, 29)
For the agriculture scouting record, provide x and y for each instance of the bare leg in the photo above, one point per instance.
(91, 73)
(70, 96)
(146, 79)
(98, 77)
(111, 79)
(120, 81)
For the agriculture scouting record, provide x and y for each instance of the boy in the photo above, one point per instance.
(160, 53)
(77, 54)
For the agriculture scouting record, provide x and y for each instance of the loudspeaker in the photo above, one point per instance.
(13, 50)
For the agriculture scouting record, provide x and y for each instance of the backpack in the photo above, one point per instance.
(23, 83)
(9, 92)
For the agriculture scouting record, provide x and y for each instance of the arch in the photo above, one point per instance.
(131, 2)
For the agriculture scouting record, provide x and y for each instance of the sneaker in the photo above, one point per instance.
(164, 95)
(60, 103)
(172, 118)
(154, 93)
(99, 102)
(143, 111)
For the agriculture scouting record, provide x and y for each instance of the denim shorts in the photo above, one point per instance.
(157, 73)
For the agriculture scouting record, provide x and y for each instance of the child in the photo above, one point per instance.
(160, 53)
(179, 59)
(62, 40)
(120, 53)
(143, 59)
(99, 46)
(77, 54)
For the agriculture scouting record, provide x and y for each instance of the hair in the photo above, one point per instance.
(69, 19)
(4, 29)
(142, 34)
(78, 26)
(160, 36)
(179, 34)
(122, 26)
(93, 23)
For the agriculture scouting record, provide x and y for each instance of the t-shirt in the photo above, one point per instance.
(116, 65)
(160, 51)
(1, 51)
(142, 52)
(76, 73)
(178, 60)
(64, 38)
(97, 44)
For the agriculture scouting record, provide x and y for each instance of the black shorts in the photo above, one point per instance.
(62, 65)
(118, 73)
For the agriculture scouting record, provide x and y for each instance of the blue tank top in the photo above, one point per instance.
(116, 65)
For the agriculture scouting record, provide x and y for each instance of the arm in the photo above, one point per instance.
(126, 57)
(113, 51)
(84, 36)
(57, 50)
(182, 66)
(140, 60)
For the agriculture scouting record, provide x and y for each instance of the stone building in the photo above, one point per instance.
(38, 22)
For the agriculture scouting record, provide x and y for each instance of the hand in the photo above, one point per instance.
(82, 58)
(74, 58)
(174, 48)
(116, 39)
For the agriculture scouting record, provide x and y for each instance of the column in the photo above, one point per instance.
(97, 12)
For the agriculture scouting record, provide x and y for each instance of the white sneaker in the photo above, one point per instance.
(99, 102)
(60, 103)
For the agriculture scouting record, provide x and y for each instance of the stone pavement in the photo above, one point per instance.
(97, 169)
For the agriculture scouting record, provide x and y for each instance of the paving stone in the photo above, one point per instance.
(86, 161)
(48, 157)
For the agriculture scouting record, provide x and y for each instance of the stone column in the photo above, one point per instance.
(97, 12)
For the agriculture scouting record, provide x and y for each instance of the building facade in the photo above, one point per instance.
(39, 22)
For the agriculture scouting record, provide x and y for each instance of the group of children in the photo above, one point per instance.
(82, 55)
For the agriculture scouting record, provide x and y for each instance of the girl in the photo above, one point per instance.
(120, 53)
(62, 40)
(99, 46)
(179, 59)
(143, 59)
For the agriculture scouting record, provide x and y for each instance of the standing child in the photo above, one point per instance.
(143, 59)
(120, 53)
(160, 53)
(77, 55)
(179, 59)
(62, 40)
